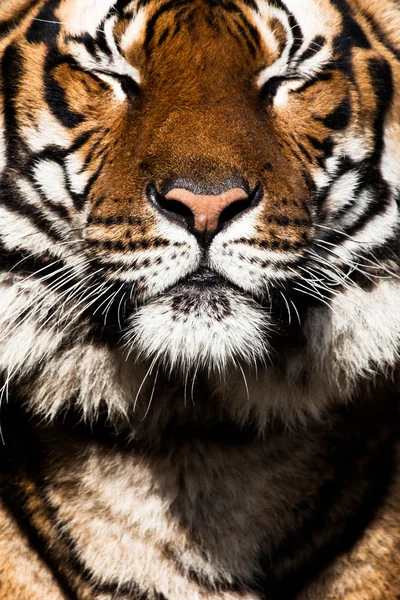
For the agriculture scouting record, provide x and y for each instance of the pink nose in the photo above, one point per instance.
(206, 209)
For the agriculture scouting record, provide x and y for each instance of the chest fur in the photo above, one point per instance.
(198, 512)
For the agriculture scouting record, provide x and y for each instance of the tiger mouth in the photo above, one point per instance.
(204, 283)
(204, 277)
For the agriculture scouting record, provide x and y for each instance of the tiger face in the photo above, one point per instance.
(203, 185)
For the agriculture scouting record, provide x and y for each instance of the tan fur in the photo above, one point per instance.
(127, 475)
(23, 575)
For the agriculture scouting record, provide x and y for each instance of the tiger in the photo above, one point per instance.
(200, 292)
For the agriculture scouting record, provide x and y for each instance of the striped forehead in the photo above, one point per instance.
(307, 19)
(86, 16)
(306, 28)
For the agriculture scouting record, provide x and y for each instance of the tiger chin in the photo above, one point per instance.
(199, 307)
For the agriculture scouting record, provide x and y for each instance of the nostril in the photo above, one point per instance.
(233, 211)
(240, 206)
(172, 208)
(177, 209)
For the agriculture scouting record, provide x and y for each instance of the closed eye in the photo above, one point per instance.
(124, 86)
(270, 87)
(128, 84)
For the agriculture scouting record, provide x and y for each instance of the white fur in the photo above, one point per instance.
(355, 340)
(84, 16)
(77, 176)
(342, 191)
(199, 338)
(135, 30)
(390, 162)
(47, 131)
(3, 157)
(18, 232)
(115, 86)
(50, 177)
(244, 264)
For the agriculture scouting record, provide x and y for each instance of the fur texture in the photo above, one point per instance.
(186, 416)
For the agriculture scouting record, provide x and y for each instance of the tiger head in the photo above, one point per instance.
(203, 185)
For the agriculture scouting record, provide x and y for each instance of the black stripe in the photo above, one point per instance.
(45, 27)
(381, 255)
(129, 86)
(381, 35)
(170, 6)
(324, 76)
(116, 220)
(253, 31)
(382, 199)
(12, 199)
(70, 571)
(297, 33)
(351, 35)
(250, 33)
(164, 35)
(382, 81)
(17, 459)
(95, 149)
(58, 155)
(121, 5)
(142, 3)
(315, 46)
(55, 94)
(45, 268)
(344, 165)
(89, 44)
(94, 178)
(22, 263)
(102, 43)
(7, 26)
(278, 4)
(11, 496)
(238, 32)
(269, 89)
(302, 149)
(325, 145)
(57, 209)
(127, 246)
(351, 27)
(11, 69)
(339, 118)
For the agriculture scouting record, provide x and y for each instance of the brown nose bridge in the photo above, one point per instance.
(206, 209)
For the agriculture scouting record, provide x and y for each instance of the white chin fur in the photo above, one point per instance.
(191, 329)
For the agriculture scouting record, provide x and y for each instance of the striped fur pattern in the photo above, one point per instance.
(187, 418)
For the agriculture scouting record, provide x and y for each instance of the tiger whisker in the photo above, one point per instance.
(288, 308)
(58, 23)
(296, 311)
(151, 395)
(150, 369)
(320, 298)
(374, 263)
(111, 302)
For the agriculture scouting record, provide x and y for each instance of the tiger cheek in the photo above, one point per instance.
(118, 208)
